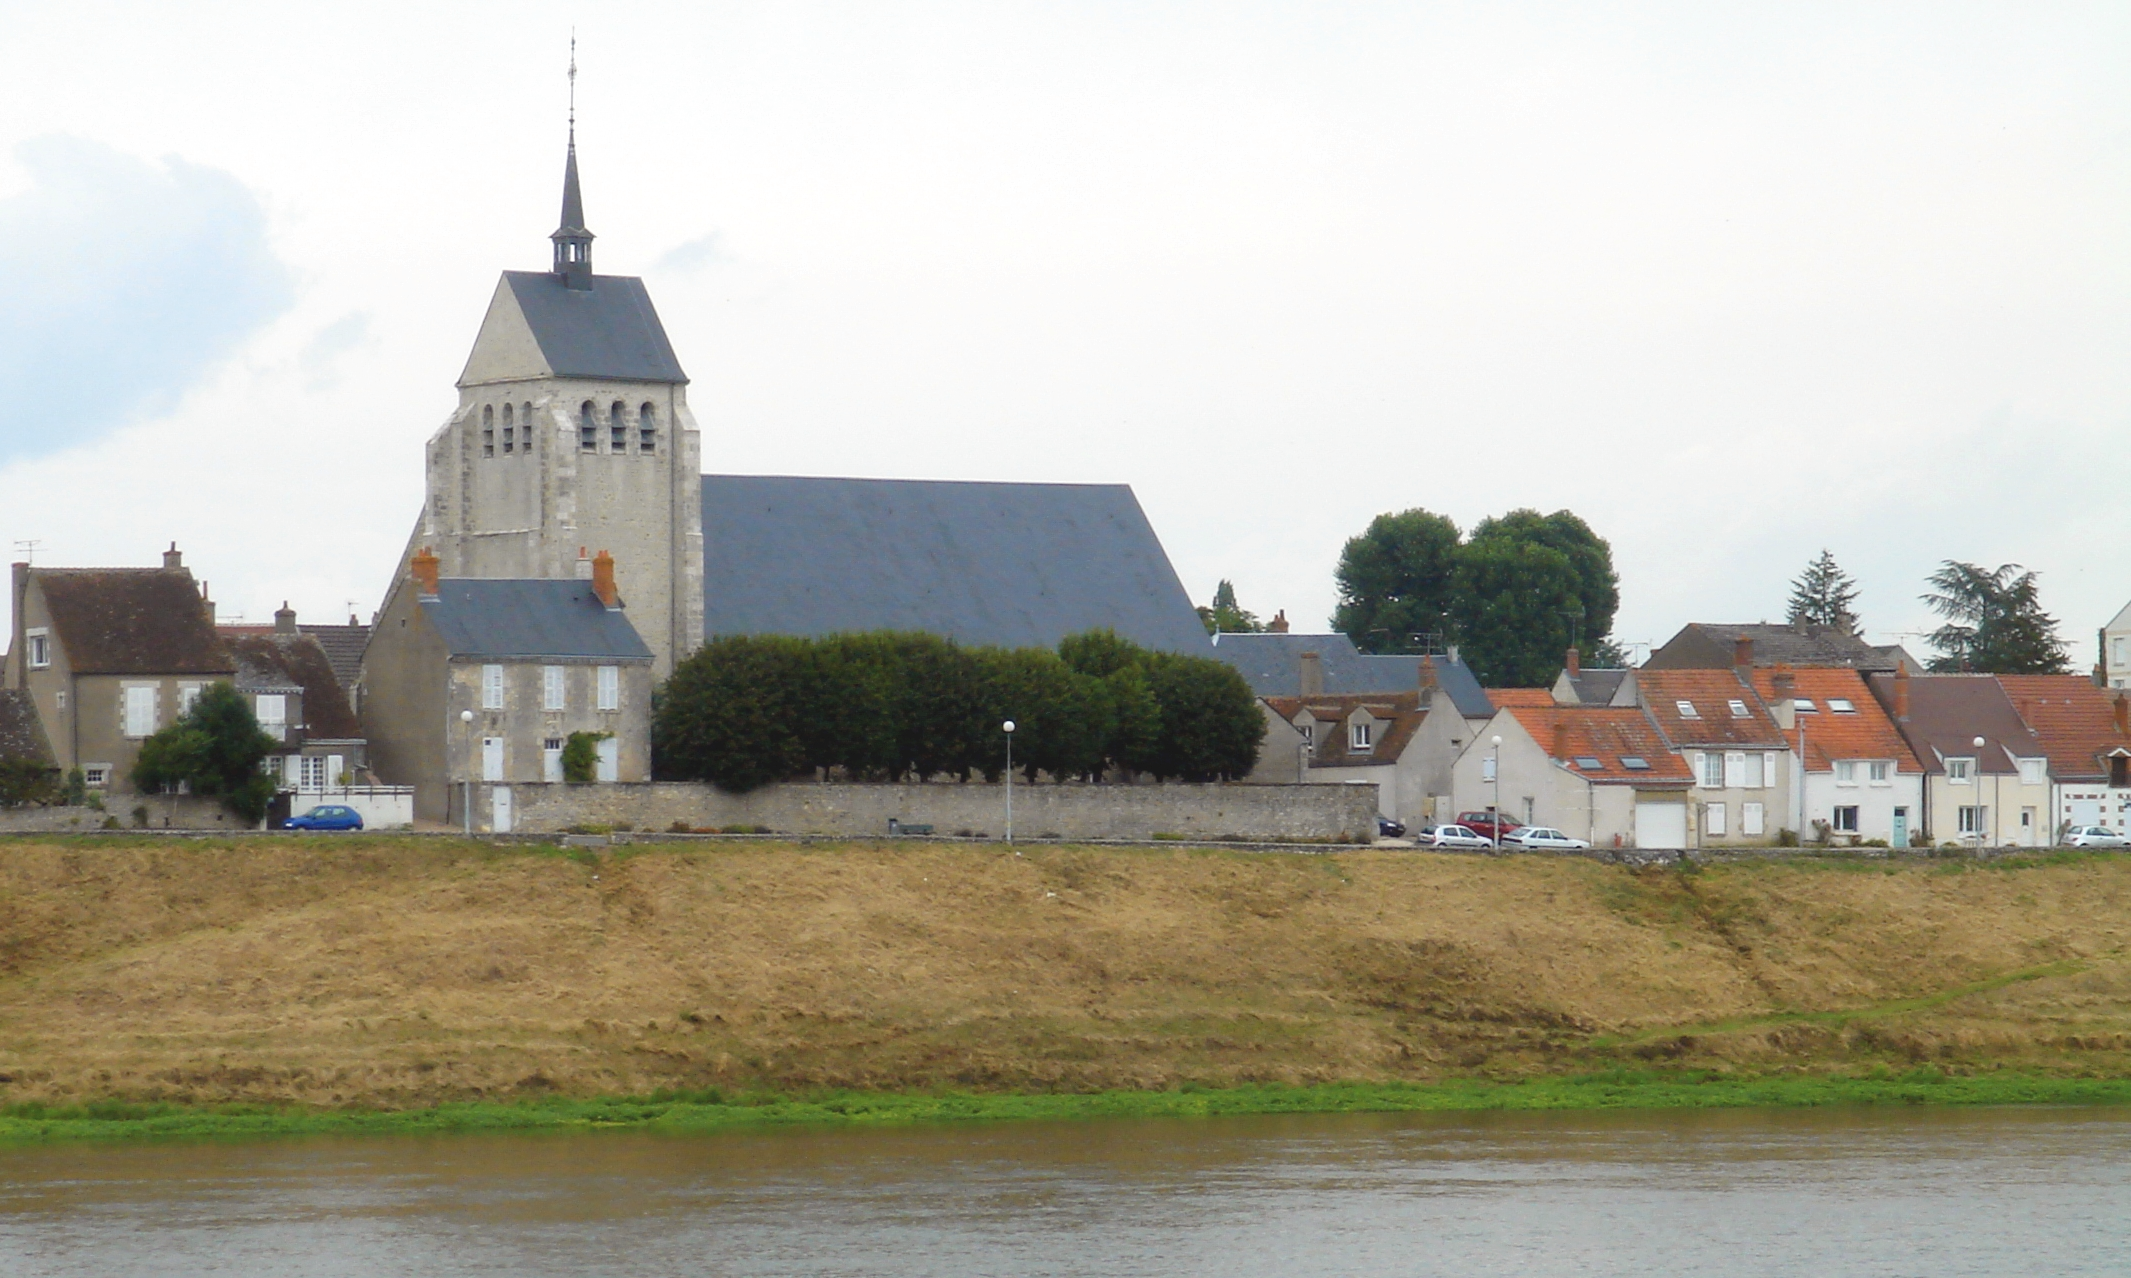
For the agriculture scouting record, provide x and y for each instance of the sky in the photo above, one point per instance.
(1735, 283)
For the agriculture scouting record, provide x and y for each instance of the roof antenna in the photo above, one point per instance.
(28, 549)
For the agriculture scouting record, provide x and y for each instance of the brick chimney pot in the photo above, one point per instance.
(603, 581)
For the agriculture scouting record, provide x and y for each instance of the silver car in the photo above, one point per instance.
(1450, 836)
(1543, 838)
(2095, 836)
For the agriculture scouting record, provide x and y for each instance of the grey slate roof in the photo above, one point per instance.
(1271, 663)
(522, 617)
(1702, 645)
(344, 649)
(609, 330)
(1018, 565)
(1595, 687)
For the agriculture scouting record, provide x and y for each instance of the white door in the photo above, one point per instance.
(499, 809)
(610, 760)
(492, 758)
(551, 761)
(1660, 825)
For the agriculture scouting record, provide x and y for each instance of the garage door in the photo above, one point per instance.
(1660, 825)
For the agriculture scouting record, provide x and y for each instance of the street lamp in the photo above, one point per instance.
(1978, 743)
(466, 786)
(1009, 726)
(1494, 828)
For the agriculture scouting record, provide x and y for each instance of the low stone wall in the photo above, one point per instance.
(162, 812)
(1271, 813)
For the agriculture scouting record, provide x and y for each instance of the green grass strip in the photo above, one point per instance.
(713, 1111)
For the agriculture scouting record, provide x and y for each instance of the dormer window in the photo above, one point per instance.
(1960, 771)
(1841, 705)
(1358, 737)
(40, 649)
(1687, 710)
(1739, 710)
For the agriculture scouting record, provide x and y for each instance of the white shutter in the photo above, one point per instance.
(292, 770)
(1749, 818)
(1713, 818)
(552, 687)
(1769, 764)
(1734, 770)
(492, 687)
(610, 688)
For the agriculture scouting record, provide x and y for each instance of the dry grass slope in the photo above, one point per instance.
(384, 971)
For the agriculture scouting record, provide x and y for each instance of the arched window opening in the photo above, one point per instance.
(525, 417)
(488, 430)
(647, 429)
(510, 429)
(618, 421)
(587, 428)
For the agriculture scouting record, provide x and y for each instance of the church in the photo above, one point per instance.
(573, 444)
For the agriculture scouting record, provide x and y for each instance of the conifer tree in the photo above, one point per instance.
(1824, 595)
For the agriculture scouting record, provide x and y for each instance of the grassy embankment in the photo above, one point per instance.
(396, 984)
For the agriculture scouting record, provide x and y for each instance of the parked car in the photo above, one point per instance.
(2095, 836)
(1493, 824)
(1542, 838)
(1386, 828)
(326, 816)
(1450, 836)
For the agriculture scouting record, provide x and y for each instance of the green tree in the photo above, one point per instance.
(25, 781)
(1994, 622)
(1824, 595)
(1395, 581)
(213, 749)
(733, 714)
(1211, 724)
(1225, 617)
(1135, 715)
(1518, 605)
(1590, 560)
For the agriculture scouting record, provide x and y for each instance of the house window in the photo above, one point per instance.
(552, 687)
(313, 774)
(40, 649)
(96, 775)
(271, 709)
(2116, 650)
(492, 687)
(1846, 772)
(2033, 771)
(1738, 709)
(1635, 763)
(1881, 772)
(1590, 763)
(1712, 818)
(1751, 819)
(1959, 771)
(618, 428)
(587, 428)
(1846, 819)
(551, 760)
(1686, 709)
(1842, 705)
(140, 710)
(525, 419)
(1358, 736)
(647, 429)
(610, 687)
(1970, 820)
(1804, 705)
(1713, 771)
(488, 431)
(188, 694)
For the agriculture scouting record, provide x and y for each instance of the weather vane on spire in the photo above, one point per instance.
(573, 81)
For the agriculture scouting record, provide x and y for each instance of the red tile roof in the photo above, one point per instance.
(1711, 693)
(2075, 721)
(1862, 732)
(1569, 733)
(1506, 698)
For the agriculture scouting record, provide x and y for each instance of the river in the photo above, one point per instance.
(1850, 1192)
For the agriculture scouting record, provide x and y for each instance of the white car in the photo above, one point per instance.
(1450, 836)
(1543, 837)
(2095, 836)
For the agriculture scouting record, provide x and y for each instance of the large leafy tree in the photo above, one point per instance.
(1225, 616)
(1395, 581)
(1824, 595)
(214, 748)
(1518, 604)
(1994, 621)
(1590, 559)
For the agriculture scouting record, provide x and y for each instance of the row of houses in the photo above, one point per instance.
(1795, 732)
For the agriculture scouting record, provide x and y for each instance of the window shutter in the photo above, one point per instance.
(1734, 770)
(610, 688)
(492, 687)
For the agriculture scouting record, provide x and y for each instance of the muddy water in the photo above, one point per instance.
(1909, 1192)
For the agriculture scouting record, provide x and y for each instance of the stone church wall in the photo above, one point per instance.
(1252, 812)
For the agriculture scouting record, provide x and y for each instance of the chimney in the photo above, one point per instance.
(425, 567)
(584, 565)
(1785, 683)
(1278, 625)
(2123, 715)
(1901, 694)
(1428, 680)
(1312, 666)
(20, 588)
(1561, 736)
(207, 602)
(1573, 663)
(172, 558)
(284, 619)
(1742, 652)
(603, 581)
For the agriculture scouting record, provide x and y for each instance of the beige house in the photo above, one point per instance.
(1404, 744)
(108, 656)
(473, 685)
(1734, 745)
(1597, 773)
(1986, 773)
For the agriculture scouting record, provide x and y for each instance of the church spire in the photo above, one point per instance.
(573, 243)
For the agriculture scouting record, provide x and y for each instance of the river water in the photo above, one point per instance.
(1854, 1192)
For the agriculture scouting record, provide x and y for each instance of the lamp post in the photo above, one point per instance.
(1009, 726)
(1980, 809)
(1494, 829)
(466, 787)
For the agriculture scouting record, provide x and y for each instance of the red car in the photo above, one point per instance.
(1489, 825)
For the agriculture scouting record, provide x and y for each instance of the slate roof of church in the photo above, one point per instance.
(608, 331)
(1272, 664)
(523, 618)
(1018, 565)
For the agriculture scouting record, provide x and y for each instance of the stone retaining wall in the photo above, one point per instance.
(1270, 813)
(163, 811)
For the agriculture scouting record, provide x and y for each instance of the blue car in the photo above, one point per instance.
(326, 816)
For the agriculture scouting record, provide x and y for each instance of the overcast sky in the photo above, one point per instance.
(1733, 282)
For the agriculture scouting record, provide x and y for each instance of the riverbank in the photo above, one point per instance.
(713, 1111)
(327, 978)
